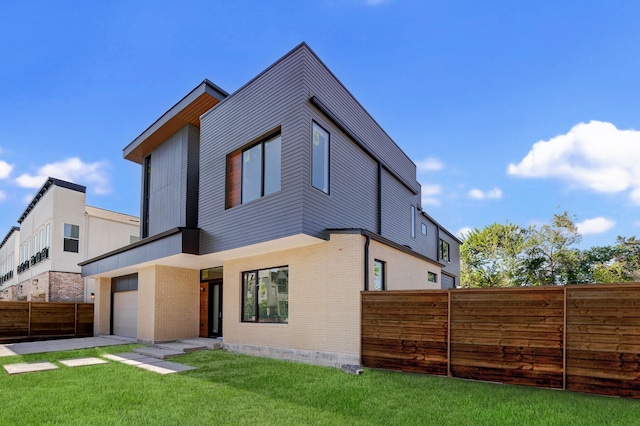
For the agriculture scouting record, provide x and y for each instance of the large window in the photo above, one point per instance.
(254, 172)
(265, 295)
(320, 159)
(379, 275)
(71, 237)
(444, 251)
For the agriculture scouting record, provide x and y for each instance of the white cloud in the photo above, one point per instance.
(5, 169)
(492, 194)
(594, 155)
(462, 232)
(596, 225)
(92, 175)
(429, 165)
(428, 195)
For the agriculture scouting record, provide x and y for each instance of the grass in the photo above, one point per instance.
(237, 390)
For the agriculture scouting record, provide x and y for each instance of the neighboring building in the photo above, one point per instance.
(39, 260)
(284, 200)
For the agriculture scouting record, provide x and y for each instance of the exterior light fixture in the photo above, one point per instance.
(93, 296)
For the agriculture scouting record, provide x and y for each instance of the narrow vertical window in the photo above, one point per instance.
(413, 221)
(146, 195)
(272, 165)
(424, 229)
(444, 250)
(47, 233)
(379, 275)
(252, 173)
(71, 238)
(320, 159)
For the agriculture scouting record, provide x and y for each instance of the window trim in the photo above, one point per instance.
(235, 165)
(70, 238)
(383, 274)
(442, 255)
(256, 307)
(413, 221)
(327, 162)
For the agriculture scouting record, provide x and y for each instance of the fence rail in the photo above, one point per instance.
(41, 320)
(579, 338)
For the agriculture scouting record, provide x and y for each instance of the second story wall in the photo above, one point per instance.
(172, 188)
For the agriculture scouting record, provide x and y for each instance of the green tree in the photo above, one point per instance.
(493, 256)
(551, 260)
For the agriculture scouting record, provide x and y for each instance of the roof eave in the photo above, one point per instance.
(187, 111)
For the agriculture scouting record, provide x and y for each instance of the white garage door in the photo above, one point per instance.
(125, 313)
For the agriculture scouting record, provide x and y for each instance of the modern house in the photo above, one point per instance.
(39, 260)
(264, 214)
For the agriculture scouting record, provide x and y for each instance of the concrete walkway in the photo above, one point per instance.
(25, 348)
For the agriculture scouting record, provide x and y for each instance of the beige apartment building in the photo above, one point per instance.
(39, 259)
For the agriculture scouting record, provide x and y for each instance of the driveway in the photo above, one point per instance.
(24, 348)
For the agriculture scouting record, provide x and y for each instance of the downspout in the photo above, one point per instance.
(366, 262)
(379, 198)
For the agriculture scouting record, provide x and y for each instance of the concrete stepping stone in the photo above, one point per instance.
(203, 341)
(165, 367)
(29, 367)
(181, 347)
(81, 362)
(158, 353)
(126, 356)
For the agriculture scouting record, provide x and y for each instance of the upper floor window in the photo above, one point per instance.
(71, 237)
(444, 251)
(46, 235)
(413, 221)
(424, 229)
(254, 172)
(320, 159)
(379, 275)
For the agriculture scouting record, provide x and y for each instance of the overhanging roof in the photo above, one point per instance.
(186, 111)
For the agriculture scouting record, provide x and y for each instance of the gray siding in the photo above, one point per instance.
(353, 175)
(174, 169)
(453, 266)
(427, 245)
(322, 83)
(396, 211)
(273, 99)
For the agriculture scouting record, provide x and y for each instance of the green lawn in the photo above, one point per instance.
(234, 389)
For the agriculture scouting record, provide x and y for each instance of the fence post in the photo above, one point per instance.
(29, 329)
(564, 343)
(75, 322)
(449, 333)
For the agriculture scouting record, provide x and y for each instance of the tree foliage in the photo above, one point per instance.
(509, 255)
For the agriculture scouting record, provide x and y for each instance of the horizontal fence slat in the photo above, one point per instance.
(513, 335)
(47, 320)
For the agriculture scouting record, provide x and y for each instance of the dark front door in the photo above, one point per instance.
(211, 309)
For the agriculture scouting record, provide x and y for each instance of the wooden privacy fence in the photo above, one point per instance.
(579, 338)
(40, 320)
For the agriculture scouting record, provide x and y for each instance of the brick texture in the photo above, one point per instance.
(65, 287)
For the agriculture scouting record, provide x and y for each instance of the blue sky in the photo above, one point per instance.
(512, 110)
